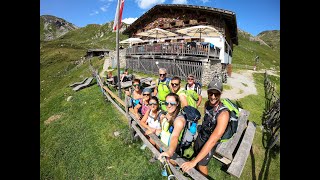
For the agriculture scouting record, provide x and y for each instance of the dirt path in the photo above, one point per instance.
(241, 83)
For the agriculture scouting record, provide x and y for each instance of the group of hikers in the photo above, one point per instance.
(160, 112)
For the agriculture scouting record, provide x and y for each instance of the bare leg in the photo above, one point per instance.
(203, 170)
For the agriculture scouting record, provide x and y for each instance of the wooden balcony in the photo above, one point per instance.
(178, 49)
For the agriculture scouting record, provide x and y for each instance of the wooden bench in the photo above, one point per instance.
(86, 84)
(78, 83)
(235, 151)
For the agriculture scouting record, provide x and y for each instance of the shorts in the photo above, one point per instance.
(198, 144)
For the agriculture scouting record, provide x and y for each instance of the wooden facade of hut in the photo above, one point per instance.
(205, 64)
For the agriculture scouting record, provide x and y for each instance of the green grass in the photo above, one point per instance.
(81, 145)
(226, 87)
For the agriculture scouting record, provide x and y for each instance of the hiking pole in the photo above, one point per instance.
(167, 168)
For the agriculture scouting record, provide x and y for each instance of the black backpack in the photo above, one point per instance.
(192, 115)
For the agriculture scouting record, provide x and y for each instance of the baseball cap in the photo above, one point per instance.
(215, 84)
(147, 90)
(190, 76)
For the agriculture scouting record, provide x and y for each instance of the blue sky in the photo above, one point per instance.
(253, 16)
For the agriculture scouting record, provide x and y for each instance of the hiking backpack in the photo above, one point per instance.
(192, 115)
(184, 149)
(232, 126)
(233, 119)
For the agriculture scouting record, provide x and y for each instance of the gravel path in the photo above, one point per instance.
(241, 84)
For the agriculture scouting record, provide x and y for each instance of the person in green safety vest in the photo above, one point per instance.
(187, 97)
(162, 88)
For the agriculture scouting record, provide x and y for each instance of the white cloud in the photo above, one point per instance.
(145, 4)
(181, 1)
(104, 8)
(204, 1)
(129, 20)
(94, 13)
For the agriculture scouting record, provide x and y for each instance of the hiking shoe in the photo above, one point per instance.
(143, 147)
(164, 173)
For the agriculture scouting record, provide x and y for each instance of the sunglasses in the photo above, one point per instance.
(153, 103)
(174, 84)
(135, 85)
(146, 94)
(190, 79)
(162, 74)
(171, 103)
(215, 94)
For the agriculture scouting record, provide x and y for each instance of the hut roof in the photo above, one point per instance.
(228, 16)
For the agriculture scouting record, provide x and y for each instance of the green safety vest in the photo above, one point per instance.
(191, 95)
(163, 89)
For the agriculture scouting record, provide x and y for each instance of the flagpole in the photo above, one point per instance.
(117, 46)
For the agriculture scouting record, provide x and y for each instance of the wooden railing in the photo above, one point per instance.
(180, 49)
(271, 114)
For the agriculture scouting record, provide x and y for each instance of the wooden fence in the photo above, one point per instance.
(175, 67)
(271, 95)
(271, 114)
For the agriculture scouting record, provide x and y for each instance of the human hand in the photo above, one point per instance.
(188, 165)
(149, 131)
(163, 154)
(138, 116)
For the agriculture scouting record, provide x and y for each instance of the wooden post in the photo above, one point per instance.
(128, 116)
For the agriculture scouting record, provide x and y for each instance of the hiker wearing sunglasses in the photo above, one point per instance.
(143, 106)
(172, 125)
(151, 119)
(136, 93)
(195, 86)
(162, 88)
(212, 129)
(187, 97)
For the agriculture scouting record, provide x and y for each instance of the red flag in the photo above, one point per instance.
(115, 23)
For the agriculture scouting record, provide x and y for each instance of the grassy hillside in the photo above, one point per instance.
(272, 38)
(247, 50)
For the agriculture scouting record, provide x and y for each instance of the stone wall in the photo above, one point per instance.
(113, 55)
(210, 70)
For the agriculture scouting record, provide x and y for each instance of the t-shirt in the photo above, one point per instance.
(144, 107)
(193, 87)
(152, 122)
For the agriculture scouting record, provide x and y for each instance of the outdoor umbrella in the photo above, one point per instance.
(157, 33)
(197, 31)
(131, 41)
